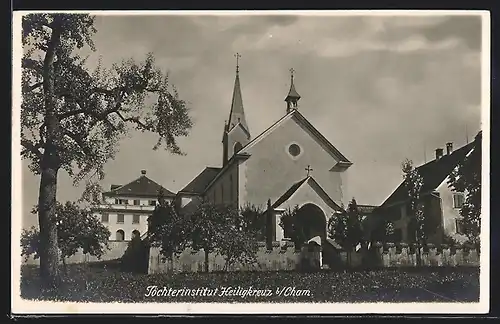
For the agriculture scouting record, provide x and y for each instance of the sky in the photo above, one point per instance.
(380, 88)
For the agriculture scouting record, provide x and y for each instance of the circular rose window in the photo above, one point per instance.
(294, 150)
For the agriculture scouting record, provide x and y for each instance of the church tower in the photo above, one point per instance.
(236, 132)
(293, 96)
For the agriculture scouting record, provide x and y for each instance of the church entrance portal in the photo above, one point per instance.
(312, 220)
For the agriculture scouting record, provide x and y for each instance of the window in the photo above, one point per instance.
(152, 203)
(294, 150)
(459, 224)
(120, 219)
(125, 201)
(137, 202)
(117, 201)
(458, 200)
(135, 219)
(136, 233)
(105, 218)
(120, 235)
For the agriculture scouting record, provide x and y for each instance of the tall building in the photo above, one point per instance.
(126, 208)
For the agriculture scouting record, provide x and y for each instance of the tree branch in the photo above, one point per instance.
(78, 141)
(33, 148)
(30, 88)
(131, 119)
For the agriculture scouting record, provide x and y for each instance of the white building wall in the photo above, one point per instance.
(143, 210)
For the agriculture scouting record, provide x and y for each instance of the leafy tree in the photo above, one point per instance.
(337, 227)
(345, 228)
(254, 220)
(76, 229)
(292, 226)
(413, 183)
(135, 257)
(466, 178)
(237, 243)
(389, 230)
(30, 242)
(206, 227)
(72, 119)
(167, 229)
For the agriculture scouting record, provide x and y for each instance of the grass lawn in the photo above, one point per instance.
(105, 282)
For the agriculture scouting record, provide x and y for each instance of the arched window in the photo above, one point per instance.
(136, 233)
(237, 147)
(120, 235)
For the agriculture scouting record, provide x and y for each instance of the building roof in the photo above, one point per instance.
(303, 121)
(433, 173)
(292, 94)
(237, 114)
(288, 193)
(315, 185)
(201, 181)
(142, 186)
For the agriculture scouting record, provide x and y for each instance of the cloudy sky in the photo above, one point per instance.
(380, 88)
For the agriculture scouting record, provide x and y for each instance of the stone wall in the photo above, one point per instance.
(116, 251)
(405, 255)
(282, 256)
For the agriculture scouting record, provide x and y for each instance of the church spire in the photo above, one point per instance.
(293, 96)
(236, 132)
(237, 114)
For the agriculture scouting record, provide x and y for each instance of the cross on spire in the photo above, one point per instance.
(292, 71)
(237, 55)
(308, 169)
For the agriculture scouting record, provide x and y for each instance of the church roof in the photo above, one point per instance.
(201, 181)
(296, 186)
(141, 187)
(292, 94)
(302, 120)
(243, 153)
(433, 174)
(237, 114)
(288, 193)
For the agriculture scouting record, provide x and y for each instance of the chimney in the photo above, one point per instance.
(439, 153)
(449, 148)
(143, 172)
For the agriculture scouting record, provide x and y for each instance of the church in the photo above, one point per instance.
(290, 164)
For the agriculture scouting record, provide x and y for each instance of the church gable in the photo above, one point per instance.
(307, 190)
(283, 126)
(280, 155)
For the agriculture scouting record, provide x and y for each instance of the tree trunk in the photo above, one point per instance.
(49, 166)
(206, 259)
(417, 250)
(65, 268)
(49, 258)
